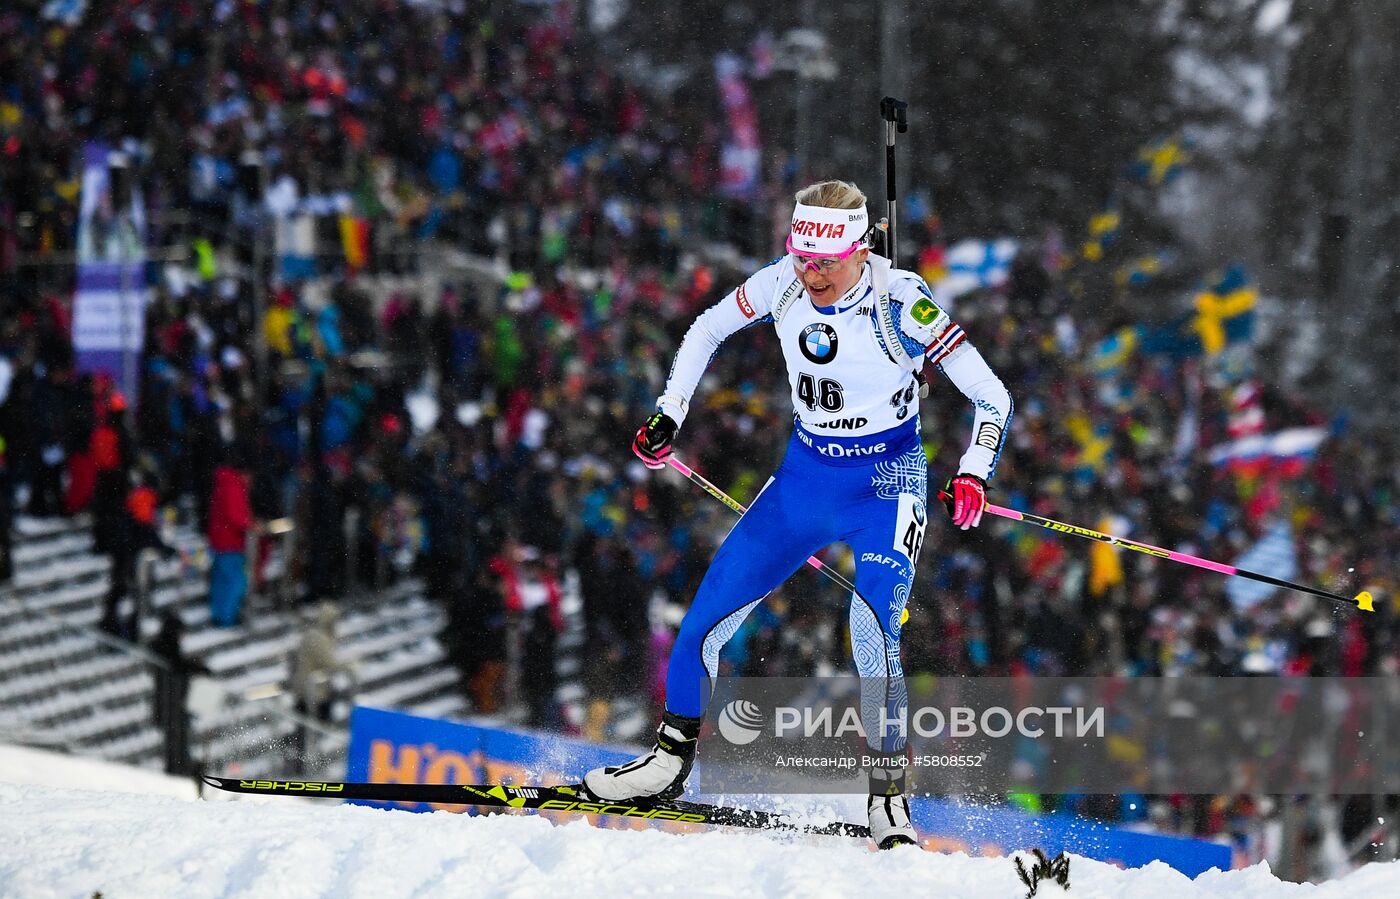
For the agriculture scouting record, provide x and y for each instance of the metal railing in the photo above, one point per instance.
(253, 728)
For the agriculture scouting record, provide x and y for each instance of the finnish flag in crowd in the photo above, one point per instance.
(974, 264)
(1273, 555)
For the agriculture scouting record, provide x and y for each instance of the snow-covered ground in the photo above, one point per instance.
(73, 843)
(22, 765)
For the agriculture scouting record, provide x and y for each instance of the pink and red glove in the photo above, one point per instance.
(965, 496)
(653, 441)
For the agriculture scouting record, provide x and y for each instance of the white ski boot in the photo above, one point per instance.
(660, 774)
(889, 810)
(889, 822)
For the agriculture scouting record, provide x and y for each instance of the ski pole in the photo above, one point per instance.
(737, 506)
(893, 112)
(1362, 600)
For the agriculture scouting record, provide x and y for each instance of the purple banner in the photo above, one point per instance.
(109, 307)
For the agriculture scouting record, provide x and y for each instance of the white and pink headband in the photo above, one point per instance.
(823, 231)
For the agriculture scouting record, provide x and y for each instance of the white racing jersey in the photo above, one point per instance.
(847, 382)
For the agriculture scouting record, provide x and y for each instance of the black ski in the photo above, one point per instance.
(558, 799)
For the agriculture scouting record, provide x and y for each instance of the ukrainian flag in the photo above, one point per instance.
(1114, 350)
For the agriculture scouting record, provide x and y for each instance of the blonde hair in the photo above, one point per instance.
(832, 195)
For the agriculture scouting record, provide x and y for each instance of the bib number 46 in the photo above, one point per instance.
(913, 541)
(826, 393)
(909, 526)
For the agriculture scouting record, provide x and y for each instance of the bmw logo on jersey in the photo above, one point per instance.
(818, 342)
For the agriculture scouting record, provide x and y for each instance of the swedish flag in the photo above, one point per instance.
(1225, 310)
(1141, 270)
(1103, 230)
(1160, 161)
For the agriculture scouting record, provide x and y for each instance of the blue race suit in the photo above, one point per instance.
(854, 470)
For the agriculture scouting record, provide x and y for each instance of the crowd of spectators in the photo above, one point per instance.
(485, 128)
(491, 129)
(478, 437)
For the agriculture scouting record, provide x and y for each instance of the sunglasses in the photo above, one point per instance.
(823, 263)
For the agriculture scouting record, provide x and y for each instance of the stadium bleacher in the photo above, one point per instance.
(65, 684)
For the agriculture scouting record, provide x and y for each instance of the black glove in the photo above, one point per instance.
(653, 441)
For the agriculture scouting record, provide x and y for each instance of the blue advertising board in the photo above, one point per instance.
(391, 747)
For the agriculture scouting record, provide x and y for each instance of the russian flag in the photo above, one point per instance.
(1286, 452)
